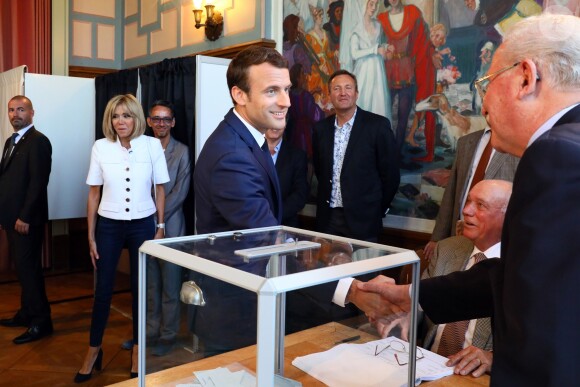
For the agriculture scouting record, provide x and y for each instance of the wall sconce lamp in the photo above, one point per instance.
(214, 23)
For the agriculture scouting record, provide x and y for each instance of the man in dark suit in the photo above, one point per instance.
(355, 161)
(292, 169)
(533, 108)
(24, 174)
(469, 152)
(236, 188)
(235, 181)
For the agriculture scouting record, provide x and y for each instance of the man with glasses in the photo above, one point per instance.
(531, 100)
(164, 278)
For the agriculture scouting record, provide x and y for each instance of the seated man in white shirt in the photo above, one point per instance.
(467, 344)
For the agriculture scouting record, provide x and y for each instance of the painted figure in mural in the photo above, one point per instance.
(333, 27)
(364, 52)
(485, 56)
(522, 9)
(489, 12)
(502, 14)
(438, 37)
(293, 43)
(410, 69)
(318, 50)
(303, 112)
(301, 9)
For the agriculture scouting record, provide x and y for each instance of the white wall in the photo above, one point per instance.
(64, 110)
(213, 97)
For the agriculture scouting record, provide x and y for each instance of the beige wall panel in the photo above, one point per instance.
(105, 42)
(239, 19)
(148, 12)
(104, 8)
(135, 45)
(60, 37)
(189, 34)
(82, 39)
(166, 37)
(131, 7)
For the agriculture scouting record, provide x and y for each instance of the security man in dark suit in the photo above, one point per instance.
(355, 161)
(24, 174)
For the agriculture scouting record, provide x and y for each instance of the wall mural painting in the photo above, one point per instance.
(415, 61)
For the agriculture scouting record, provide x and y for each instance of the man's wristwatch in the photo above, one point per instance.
(161, 226)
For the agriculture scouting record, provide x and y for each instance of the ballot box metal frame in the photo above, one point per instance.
(270, 341)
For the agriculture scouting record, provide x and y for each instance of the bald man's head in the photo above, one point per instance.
(484, 212)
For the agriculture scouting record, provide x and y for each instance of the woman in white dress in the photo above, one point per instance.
(362, 52)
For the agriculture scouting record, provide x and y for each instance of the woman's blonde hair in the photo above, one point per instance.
(133, 107)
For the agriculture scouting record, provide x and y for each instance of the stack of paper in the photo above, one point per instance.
(356, 365)
(224, 377)
(221, 377)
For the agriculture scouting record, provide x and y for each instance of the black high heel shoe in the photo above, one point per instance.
(131, 373)
(97, 365)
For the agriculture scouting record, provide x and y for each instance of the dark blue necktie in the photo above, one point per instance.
(12, 145)
(272, 171)
(8, 152)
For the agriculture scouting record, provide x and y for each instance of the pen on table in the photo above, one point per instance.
(348, 339)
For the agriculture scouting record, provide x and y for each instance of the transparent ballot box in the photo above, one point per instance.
(230, 294)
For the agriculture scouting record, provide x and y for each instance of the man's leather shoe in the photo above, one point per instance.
(33, 333)
(15, 321)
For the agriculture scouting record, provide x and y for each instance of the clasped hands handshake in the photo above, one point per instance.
(387, 305)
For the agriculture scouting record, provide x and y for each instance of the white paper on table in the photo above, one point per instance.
(248, 380)
(220, 377)
(204, 378)
(355, 365)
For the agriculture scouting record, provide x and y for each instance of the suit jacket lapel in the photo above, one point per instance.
(469, 153)
(247, 137)
(261, 156)
(495, 164)
(18, 145)
(282, 156)
(169, 150)
(462, 255)
(572, 116)
(327, 141)
(355, 133)
(4, 159)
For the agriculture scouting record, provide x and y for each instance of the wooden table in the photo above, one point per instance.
(302, 343)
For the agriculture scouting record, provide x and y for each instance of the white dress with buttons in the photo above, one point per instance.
(127, 176)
